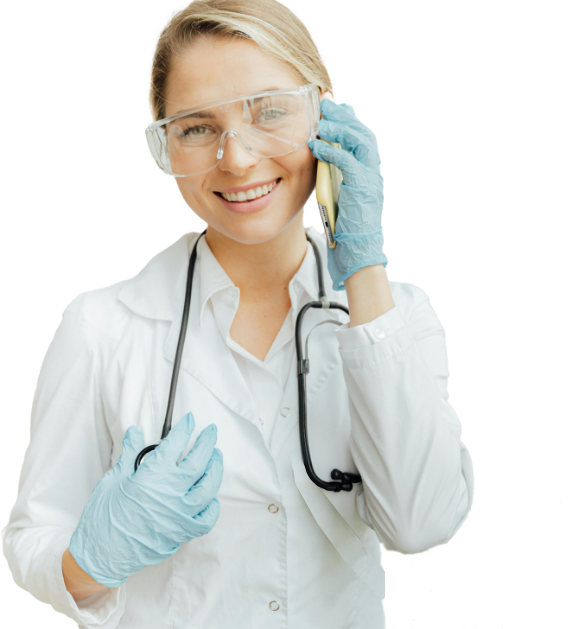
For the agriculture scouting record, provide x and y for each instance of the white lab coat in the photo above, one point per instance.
(380, 410)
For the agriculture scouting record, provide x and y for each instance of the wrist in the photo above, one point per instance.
(77, 582)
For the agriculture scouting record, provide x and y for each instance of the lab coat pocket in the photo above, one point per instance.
(346, 541)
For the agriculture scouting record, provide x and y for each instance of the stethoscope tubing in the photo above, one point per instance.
(342, 481)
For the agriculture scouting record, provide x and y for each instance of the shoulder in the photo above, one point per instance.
(100, 309)
(415, 307)
(150, 294)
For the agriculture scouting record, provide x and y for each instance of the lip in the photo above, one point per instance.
(255, 184)
(244, 207)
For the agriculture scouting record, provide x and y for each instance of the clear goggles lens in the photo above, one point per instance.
(267, 124)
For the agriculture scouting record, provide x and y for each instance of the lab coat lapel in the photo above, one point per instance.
(207, 358)
(323, 363)
(158, 292)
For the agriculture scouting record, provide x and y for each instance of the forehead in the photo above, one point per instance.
(213, 69)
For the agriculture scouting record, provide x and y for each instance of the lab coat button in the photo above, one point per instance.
(379, 334)
(274, 606)
(273, 508)
(285, 411)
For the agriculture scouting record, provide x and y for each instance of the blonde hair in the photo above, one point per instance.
(270, 24)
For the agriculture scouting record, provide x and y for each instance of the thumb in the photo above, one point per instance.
(132, 444)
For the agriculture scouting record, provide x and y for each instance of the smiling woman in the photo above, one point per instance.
(119, 534)
(208, 52)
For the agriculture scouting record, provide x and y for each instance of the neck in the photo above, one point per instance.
(261, 271)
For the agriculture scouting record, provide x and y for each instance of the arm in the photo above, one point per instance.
(368, 294)
(77, 582)
(417, 475)
(69, 451)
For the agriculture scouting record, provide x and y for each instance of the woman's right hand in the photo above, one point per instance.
(138, 519)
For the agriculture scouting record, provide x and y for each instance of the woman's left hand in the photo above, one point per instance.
(358, 230)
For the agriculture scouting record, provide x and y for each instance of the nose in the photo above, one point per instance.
(236, 159)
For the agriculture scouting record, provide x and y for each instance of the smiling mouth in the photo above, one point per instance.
(248, 195)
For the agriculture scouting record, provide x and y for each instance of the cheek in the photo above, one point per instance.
(308, 172)
(301, 164)
(309, 160)
(192, 193)
(301, 167)
(191, 187)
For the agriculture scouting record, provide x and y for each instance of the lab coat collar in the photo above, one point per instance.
(157, 292)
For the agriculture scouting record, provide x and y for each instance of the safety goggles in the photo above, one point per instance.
(267, 124)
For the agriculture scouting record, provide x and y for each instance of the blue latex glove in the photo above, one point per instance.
(358, 231)
(138, 519)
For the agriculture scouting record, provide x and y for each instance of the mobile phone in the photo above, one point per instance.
(327, 188)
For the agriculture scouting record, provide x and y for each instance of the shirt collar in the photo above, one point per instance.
(214, 280)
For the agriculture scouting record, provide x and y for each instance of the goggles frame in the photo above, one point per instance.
(157, 144)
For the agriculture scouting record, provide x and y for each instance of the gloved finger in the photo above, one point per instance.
(201, 494)
(176, 441)
(345, 115)
(354, 173)
(206, 520)
(340, 112)
(349, 108)
(196, 461)
(350, 139)
(183, 477)
(132, 444)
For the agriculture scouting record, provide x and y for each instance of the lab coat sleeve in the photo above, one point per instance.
(417, 476)
(69, 451)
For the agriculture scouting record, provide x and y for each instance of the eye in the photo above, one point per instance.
(270, 113)
(196, 131)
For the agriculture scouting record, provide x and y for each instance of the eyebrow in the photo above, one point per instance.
(198, 114)
(204, 114)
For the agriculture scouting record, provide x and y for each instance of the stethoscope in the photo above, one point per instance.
(341, 480)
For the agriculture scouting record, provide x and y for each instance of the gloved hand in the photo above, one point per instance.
(138, 519)
(358, 230)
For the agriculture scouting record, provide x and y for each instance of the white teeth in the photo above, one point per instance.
(249, 195)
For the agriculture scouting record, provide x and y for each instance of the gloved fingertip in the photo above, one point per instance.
(316, 146)
(132, 444)
(132, 435)
(187, 422)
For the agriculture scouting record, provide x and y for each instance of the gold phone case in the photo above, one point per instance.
(327, 188)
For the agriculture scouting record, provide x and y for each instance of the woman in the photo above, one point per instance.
(240, 535)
